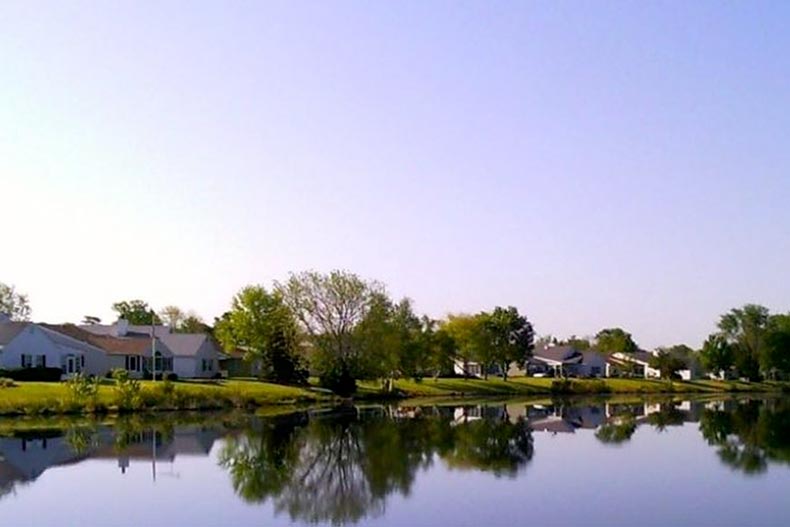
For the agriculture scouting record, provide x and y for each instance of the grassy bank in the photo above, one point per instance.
(34, 398)
(518, 386)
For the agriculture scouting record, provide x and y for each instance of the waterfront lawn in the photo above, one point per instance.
(44, 398)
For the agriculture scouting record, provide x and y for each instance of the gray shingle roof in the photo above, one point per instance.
(9, 331)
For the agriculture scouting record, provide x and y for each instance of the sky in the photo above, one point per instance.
(595, 164)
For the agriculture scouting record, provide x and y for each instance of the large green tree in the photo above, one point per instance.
(717, 355)
(136, 312)
(13, 304)
(615, 340)
(510, 336)
(746, 328)
(775, 358)
(329, 308)
(667, 363)
(260, 323)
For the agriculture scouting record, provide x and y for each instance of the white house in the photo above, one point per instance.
(30, 345)
(567, 360)
(188, 355)
(195, 355)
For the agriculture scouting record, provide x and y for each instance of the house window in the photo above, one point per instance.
(27, 360)
(41, 361)
(132, 363)
(596, 370)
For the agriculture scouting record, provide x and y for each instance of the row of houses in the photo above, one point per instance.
(98, 349)
(567, 361)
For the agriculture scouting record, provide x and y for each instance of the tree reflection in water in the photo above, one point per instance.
(340, 467)
(749, 434)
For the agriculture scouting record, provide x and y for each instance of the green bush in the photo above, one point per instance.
(33, 374)
(127, 391)
(5, 382)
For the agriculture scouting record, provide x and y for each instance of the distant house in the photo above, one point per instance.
(234, 364)
(567, 361)
(188, 355)
(634, 364)
(31, 345)
(468, 368)
(133, 352)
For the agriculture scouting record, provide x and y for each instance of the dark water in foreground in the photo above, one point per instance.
(690, 463)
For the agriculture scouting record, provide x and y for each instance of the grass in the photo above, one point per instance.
(33, 398)
(38, 398)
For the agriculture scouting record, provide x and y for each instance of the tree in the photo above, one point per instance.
(464, 330)
(90, 320)
(745, 328)
(260, 323)
(136, 312)
(579, 343)
(192, 323)
(667, 363)
(173, 316)
(13, 304)
(615, 340)
(329, 308)
(510, 335)
(776, 356)
(717, 355)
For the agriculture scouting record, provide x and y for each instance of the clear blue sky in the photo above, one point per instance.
(593, 163)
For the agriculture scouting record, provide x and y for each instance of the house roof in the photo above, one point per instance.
(567, 354)
(133, 345)
(132, 330)
(9, 331)
(184, 344)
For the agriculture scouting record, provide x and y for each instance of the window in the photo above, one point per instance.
(27, 360)
(596, 370)
(82, 361)
(41, 361)
(132, 363)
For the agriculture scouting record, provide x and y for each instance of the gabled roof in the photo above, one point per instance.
(9, 331)
(640, 356)
(185, 344)
(134, 345)
(566, 354)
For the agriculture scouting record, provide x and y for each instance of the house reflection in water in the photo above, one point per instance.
(25, 456)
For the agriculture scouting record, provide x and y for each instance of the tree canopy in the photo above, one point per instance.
(13, 304)
(136, 312)
(615, 340)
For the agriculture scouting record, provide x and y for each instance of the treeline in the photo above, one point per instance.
(343, 328)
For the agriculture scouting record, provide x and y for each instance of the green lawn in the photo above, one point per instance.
(41, 397)
(32, 398)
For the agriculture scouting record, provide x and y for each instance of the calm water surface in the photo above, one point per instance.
(681, 463)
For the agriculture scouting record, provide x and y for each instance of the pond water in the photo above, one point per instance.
(702, 462)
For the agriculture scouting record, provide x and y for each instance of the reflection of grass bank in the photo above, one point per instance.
(32, 398)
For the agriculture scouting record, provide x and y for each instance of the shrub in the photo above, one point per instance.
(127, 390)
(82, 388)
(171, 377)
(5, 382)
(34, 374)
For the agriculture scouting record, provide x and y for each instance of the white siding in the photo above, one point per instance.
(33, 341)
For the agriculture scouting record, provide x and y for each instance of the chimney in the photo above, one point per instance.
(121, 327)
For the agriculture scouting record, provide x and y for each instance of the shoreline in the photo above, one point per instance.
(31, 398)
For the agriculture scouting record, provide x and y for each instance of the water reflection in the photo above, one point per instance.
(341, 465)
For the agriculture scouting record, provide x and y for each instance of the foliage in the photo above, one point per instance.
(5, 382)
(127, 390)
(13, 304)
(668, 364)
(172, 315)
(192, 323)
(616, 432)
(615, 340)
(717, 354)
(261, 324)
(510, 337)
(579, 343)
(83, 389)
(329, 308)
(775, 358)
(136, 312)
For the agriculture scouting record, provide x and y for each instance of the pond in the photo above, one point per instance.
(605, 462)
